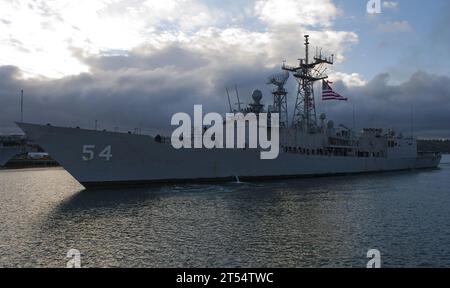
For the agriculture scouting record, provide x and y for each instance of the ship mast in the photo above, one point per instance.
(280, 97)
(306, 74)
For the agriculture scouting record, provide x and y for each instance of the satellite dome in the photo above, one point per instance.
(257, 95)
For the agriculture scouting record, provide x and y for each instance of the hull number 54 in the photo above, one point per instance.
(89, 153)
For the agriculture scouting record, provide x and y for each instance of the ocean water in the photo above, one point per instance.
(323, 222)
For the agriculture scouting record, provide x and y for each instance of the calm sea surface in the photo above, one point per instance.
(325, 222)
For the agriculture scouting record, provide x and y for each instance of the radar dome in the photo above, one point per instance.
(257, 95)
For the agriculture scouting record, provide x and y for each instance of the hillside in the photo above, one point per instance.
(442, 146)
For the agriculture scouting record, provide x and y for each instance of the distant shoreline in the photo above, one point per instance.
(442, 146)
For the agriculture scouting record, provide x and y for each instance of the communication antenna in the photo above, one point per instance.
(280, 96)
(21, 106)
(229, 101)
(412, 121)
(354, 118)
(237, 96)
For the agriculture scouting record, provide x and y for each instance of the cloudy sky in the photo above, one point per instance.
(133, 63)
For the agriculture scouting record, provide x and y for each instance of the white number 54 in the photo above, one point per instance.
(89, 153)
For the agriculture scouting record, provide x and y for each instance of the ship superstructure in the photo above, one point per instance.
(307, 135)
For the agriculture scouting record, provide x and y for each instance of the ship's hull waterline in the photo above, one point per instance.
(129, 159)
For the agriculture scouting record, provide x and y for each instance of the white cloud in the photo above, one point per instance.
(350, 80)
(239, 46)
(390, 4)
(41, 36)
(46, 30)
(395, 26)
(298, 12)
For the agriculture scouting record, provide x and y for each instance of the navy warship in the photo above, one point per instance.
(309, 145)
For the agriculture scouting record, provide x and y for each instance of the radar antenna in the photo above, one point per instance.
(280, 96)
(306, 74)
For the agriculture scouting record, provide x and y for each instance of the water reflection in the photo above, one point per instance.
(102, 198)
(289, 223)
(265, 224)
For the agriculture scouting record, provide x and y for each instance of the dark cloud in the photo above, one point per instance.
(171, 56)
(421, 104)
(145, 89)
(126, 91)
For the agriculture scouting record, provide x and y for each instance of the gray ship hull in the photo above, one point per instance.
(139, 159)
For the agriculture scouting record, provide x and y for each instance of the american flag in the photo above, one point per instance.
(329, 94)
